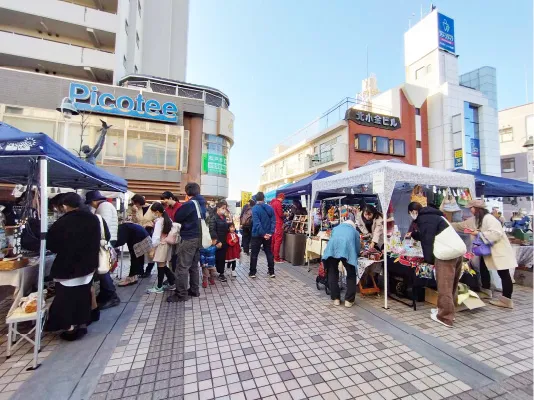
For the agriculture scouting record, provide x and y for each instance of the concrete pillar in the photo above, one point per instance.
(194, 124)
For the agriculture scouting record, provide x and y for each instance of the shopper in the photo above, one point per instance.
(107, 297)
(263, 226)
(344, 247)
(233, 250)
(162, 250)
(428, 224)
(218, 231)
(172, 204)
(75, 239)
(141, 214)
(278, 236)
(371, 224)
(296, 210)
(189, 248)
(246, 225)
(502, 256)
(139, 243)
(207, 262)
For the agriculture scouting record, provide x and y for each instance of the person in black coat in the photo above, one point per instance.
(131, 234)
(427, 223)
(219, 231)
(75, 239)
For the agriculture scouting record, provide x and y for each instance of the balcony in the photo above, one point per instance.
(338, 154)
(57, 19)
(35, 53)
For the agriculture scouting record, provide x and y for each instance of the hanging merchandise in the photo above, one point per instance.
(418, 196)
(449, 204)
(464, 197)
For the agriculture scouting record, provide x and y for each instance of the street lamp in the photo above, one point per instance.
(529, 143)
(68, 109)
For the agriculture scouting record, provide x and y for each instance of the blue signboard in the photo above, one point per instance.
(90, 99)
(475, 147)
(446, 33)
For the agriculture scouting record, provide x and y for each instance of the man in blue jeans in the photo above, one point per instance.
(263, 225)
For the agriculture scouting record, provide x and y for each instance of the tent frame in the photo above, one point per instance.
(394, 172)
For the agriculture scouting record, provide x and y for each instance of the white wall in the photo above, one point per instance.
(421, 39)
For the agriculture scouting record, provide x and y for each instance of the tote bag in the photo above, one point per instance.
(448, 245)
(205, 237)
(104, 254)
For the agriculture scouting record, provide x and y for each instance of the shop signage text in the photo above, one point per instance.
(458, 158)
(87, 98)
(372, 119)
(213, 164)
(446, 33)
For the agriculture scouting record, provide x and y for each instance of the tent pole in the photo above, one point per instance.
(43, 177)
(309, 229)
(385, 256)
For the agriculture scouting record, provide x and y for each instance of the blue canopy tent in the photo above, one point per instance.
(270, 195)
(495, 186)
(35, 159)
(302, 187)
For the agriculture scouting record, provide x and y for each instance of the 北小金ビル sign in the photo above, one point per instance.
(372, 119)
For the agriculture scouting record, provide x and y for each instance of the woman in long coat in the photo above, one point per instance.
(502, 256)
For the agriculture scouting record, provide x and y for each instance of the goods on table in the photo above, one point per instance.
(29, 303)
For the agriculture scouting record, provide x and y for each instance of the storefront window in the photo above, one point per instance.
(32, 125)
(173, 152)
(145, 149)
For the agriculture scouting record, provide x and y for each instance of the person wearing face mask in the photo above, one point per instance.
(428, 223)
(219, 231)
(371, 224)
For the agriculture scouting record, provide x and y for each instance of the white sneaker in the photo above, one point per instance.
(234, 274)
(434, 311)
(348, 304)
(434, 317)
(337, 302)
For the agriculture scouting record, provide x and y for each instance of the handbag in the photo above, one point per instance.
(104, 253)
(481, 246)
(418, 196)
(449, 204)
(173, 237)
(205, 237)
(448, 245)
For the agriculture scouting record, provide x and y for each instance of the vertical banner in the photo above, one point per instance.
(245, 198)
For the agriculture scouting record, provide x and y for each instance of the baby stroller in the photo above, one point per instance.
(322, 279)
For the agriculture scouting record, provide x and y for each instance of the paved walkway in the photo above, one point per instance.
(282, 339)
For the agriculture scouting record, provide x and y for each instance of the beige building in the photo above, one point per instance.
(303, 155)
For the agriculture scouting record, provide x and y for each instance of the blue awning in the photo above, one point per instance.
(304, 186)
(496, 186)
(270, 195)
(18, 149)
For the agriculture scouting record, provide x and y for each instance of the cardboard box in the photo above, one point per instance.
(431, 296)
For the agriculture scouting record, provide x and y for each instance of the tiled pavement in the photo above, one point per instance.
(281, 339)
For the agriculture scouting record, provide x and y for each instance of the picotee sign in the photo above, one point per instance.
(87, 98)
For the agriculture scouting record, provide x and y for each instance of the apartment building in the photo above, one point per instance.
(96, 40)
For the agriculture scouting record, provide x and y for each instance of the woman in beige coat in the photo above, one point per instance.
(502, 256)
(371, 224)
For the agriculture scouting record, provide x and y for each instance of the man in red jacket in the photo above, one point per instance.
(278, 236)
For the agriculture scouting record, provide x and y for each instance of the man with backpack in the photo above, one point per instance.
(246, 225)
(263, 225)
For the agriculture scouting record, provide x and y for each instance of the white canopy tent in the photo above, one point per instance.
(390, 173)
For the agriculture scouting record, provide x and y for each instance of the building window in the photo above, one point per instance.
(139, 6)
(418, 144)
(380, 145)
(363, 142)
(417, 111)
(397, 147)
(214, 157)
(124, 61)
(137, 40)
(508, 165)
(506, 135)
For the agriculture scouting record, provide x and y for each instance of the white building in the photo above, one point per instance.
(462, 111)
(96, 40)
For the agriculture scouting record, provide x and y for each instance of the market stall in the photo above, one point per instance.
(384, 178)
(35, 160)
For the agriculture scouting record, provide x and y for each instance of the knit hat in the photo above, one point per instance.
(476, 204)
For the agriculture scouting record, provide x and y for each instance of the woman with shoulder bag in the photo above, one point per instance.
(443, 248)
(491, 235)
(162, 249)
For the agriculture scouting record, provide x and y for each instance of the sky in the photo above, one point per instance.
(283, 63)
